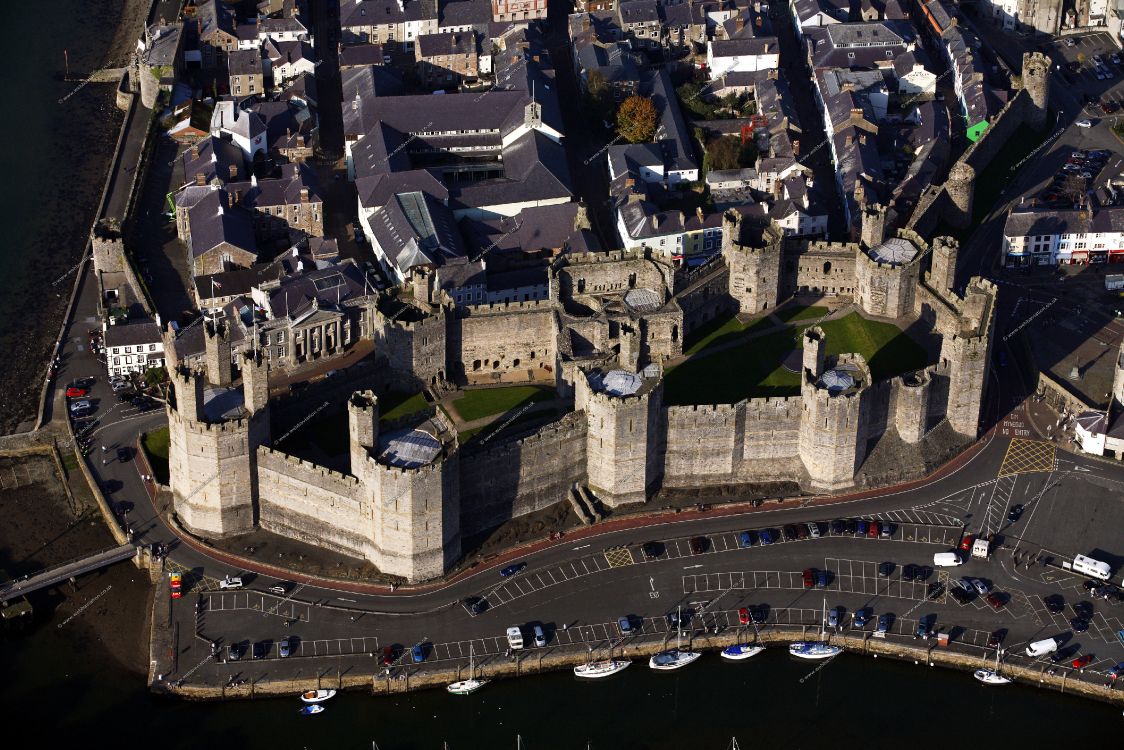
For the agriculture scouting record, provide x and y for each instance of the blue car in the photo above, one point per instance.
(511, 570)
(863, 527)
(766, 536)
(821, 579)
(745, 539)
(418, 652)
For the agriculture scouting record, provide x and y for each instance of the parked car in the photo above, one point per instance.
(1054, 603)
(74, 392)
(883, 623)
(743, 616)
(759, 614)
(837, 526)
(809, 578)
(860, 618)
(512, 569)
(123, 454)
(1116, 671)
(234, 651)
(849, 526)
(767, 537)
(417, 653)
(281, 588)
(887, 530)
(1079, 625)
(80, 406)
(699, 545)
(789, 533)
(996, 638)
(283, 648)
(875, 528)
(1087, 123)
(1083, 609)
(980, 586)
(1082, 661)
(624, 624)
(909, 572)
(821, 579)
(801, 531)
(885, 569)
(834, 617)
(966, 542)
(964, 584)
(936, 588)
(746, 538)
(653, 550)
(230, 582)
(814, 530)
(259, 650)
(861, 528)
(995, 599)
(389, 655)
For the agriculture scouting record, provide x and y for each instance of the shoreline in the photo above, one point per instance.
(552, 660)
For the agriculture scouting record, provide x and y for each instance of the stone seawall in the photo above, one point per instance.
(537, 661)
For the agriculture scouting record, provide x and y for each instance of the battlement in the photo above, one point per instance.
(612, 256)
(504, 308)
(433, 468)
(269, 458)
(226, 427)
(838, 248)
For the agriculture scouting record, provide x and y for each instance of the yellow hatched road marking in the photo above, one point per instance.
(1027, 456)
(618, 558)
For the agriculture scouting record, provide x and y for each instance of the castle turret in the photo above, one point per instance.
(966, 356)
(363, 427)
(1036, 82)
(814, 351)
(625, 434)
(886, 276)
(217, 355)
(960, 187)
(942, 273)
(911, 405)
(187, 390)
(255, 382)
(873, 224)
(754, 271)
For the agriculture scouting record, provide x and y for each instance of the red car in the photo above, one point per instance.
(73, 392)
(1082, 661)
(808, 582)
(966, 542)
(743, 616)
(995, 600)
(874, 530)
(388, 655)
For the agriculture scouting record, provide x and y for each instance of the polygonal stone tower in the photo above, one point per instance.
(833, 431)
(942, 272)
(625, 434)
(754, 271)
(1036, 82)
(911, 404)
(960, 186)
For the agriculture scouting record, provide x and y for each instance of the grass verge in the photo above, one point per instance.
(485, 402)
(155, 444)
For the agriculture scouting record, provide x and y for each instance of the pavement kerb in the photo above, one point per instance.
(581, 534)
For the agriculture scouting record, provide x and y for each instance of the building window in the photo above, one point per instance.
(128, 349)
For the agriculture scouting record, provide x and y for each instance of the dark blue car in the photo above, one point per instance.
(863, 527)
(511, 570)
(745, 539)
(418, 652)
(766, 536)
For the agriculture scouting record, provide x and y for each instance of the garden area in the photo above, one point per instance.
(754, 369)
(486, 402)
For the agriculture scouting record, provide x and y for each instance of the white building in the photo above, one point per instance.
(1006, 12)
(746, 55)
(1074, 236)
(246, 129)
(133, 347)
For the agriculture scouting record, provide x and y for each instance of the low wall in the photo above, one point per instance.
(501, 481)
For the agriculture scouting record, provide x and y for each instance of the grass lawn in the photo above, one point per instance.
(795, 313)
(397, 405)
(502, 425)
(754, 369)
(156, 450)
(485, 402)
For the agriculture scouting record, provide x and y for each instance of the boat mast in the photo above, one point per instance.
(823, 620)
(678, 626)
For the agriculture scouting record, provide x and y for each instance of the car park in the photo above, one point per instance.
(746, 538)
(1082, 661)
(699, 545)
(512, 569)
(809, 578)
(176, 583)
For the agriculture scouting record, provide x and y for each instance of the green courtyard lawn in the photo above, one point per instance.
(155, 445)
(498, 427)
(484, 402)
(796, 313)
(397, 405)
(754, 369)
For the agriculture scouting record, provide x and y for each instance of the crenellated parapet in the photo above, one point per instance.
(833, 424)
(911, 394)
(755, 271)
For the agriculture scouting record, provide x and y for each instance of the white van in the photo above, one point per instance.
(515, 638)
(1092, 568)
(946, 560)
(1043, 647)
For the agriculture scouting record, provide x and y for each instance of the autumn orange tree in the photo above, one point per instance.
(637, 119)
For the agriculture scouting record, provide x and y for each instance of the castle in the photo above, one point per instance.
(610, 323)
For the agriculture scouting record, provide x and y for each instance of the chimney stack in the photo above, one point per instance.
(304, 195)
(195, 151)
(200, 179)
(233, 171)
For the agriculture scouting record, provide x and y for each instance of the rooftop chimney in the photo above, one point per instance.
(200, 179)
(699, 212)
(233, 171)
(195, 151)
(304, 195)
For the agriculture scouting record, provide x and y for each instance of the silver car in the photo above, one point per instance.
(964, 584)
(981, 586)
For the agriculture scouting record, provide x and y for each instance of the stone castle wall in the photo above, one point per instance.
(826, 268)
(499, 339)
(303, 501)
(505, 480)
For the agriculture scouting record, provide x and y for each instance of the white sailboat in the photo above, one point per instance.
(674, 658)
(992, 677)
(317, 696)
(740, 651)
(471, 685)
(820, 649)
(595, 670)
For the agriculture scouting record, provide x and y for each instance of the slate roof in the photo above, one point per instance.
(227, 116)
(244, 62)
(212, 16)
(281, 191)
(281, 53)
(360, 55)
(361, 13)
(133, 334)
(458, 275)
(285, 123)
(535, 168)
(1049, 222)
(322, 287)
(360, 88)
(638, 11)
(745, 46)
(414, 229)
(213, 222)
(477, 13)
(450, 43)
(163, 44)
(538, 228)
(281, 25)
(672, 130)
(215, 157)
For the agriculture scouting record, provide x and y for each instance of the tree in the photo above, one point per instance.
(636, 119)
(724, 153)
